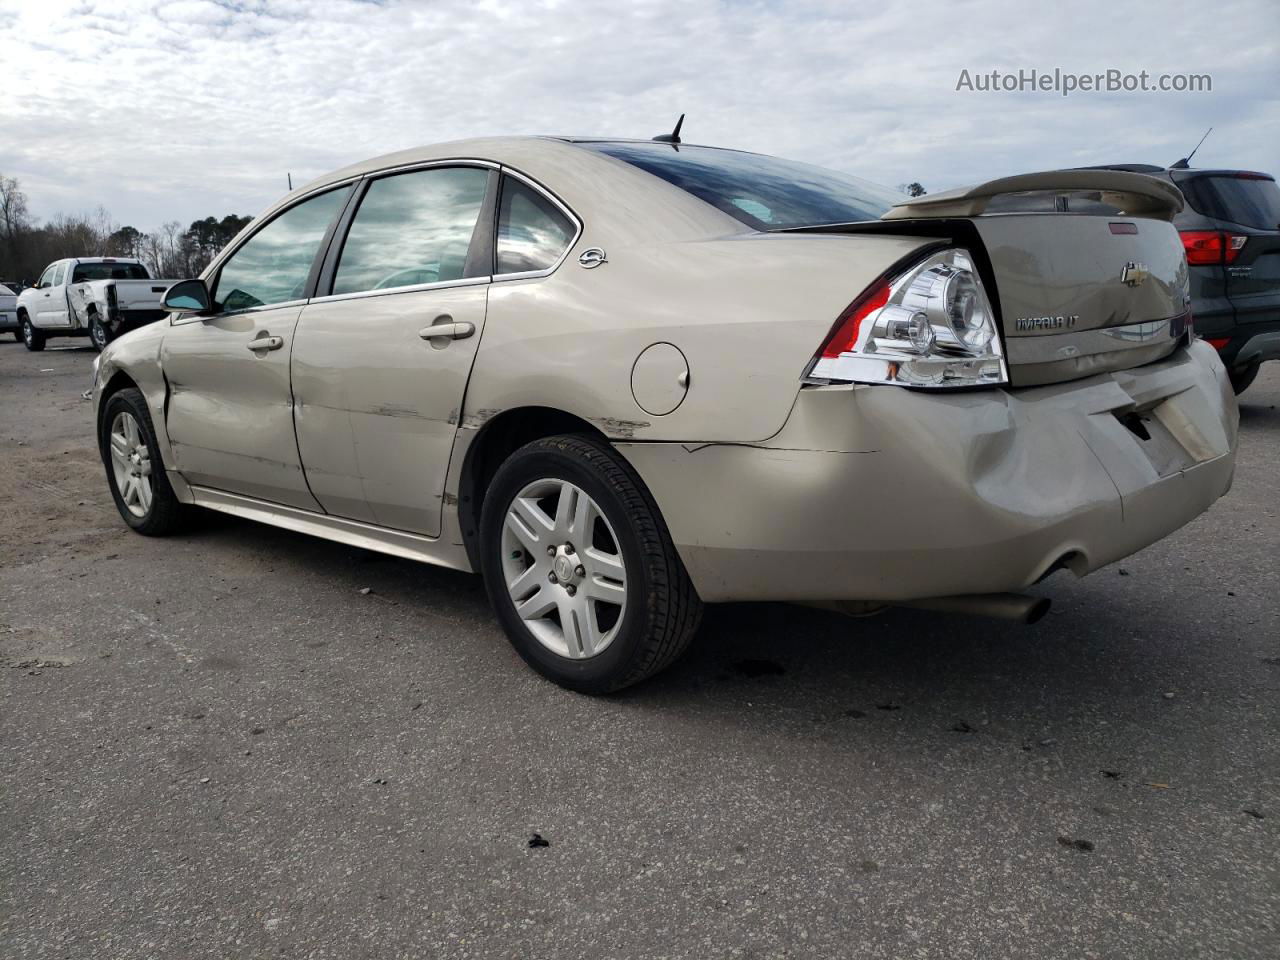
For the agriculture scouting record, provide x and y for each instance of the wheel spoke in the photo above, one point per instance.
(130, 430)
(570, 500)
(604, 564)
(571, 617)
(538, 605)
(119, 449)
(523, 582)
(583, 517)
(606, 591)
(143, 487)
(529, 523)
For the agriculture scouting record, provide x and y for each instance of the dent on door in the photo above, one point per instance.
(230, 413)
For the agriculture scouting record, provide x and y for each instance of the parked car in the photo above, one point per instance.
(9, 312)
(1230, 229)
(623, 378)
(97, 297)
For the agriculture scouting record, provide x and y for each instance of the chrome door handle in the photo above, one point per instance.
(453, 331)
(266, 343)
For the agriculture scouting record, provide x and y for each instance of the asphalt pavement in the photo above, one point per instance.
(219, 745)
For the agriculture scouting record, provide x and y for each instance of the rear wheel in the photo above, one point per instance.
(99, 334)
(1242, 377)
(33, 338)
(580, 567)
(135, 471)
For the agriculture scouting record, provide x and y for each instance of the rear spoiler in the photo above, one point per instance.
(1135, 193)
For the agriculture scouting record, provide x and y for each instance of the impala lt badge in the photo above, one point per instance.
(1134, 273)
(1027, 324)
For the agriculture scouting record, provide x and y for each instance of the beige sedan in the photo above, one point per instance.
(622, 379)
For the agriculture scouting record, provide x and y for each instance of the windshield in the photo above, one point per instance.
(765, 193)
(109, 271)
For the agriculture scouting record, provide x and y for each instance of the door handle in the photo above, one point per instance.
(266, 343)
(459, 330)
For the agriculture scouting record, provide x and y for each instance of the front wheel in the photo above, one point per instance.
(33, 338)
(99, 334)
(135, 471)
(580, 567)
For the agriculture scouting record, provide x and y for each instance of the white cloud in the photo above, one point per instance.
(181, 109)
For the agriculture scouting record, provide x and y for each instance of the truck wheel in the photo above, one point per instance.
(135, 471)
(1242, 377)
(33, 338)
(99, 335)
(580, 567)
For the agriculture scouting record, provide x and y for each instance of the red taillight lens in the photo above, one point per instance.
(845, 336)
(1218, 343)
(1211, 246)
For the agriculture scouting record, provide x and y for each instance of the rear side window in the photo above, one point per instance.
(533, 233)
(273, 265)
(1250, 201)
(108, 271)
(412, 228)
(765, 193)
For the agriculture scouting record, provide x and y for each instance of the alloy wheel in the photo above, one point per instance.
(131, 464)
(563, 568)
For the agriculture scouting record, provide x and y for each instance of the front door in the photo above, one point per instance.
(230, 412)
(380, 365)
(52, 306)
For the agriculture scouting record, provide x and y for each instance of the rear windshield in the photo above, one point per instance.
(763, 192)
(109, 271)
(1250, 201)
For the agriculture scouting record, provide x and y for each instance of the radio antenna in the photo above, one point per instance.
(674, 136)
(1186, 161)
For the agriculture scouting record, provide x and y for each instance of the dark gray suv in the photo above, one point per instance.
(1230, 229)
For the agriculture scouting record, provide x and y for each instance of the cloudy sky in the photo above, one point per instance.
(177, 110)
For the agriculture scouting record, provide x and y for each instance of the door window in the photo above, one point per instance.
(273, 265)
(60, 275)
(46, 278)
(532, 232)
(412, 228)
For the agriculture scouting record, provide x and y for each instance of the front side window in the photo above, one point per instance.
(273, 265)
(46, 278)
(765, 193)
(532, 232)
(412, 228)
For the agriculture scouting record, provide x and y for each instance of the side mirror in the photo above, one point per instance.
(188, 296)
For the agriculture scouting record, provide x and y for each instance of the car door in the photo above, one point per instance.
(230, 412)
(381, 361)
(51, 307)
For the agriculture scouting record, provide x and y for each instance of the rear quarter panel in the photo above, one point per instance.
(747, 311)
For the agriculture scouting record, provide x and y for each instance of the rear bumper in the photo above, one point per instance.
(883, 494)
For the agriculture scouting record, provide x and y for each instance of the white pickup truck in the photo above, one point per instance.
(97, 297)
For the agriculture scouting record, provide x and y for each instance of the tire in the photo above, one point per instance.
(627, 554)
(33, 338)
(153, 510)
(1242, 377)
(99, 334)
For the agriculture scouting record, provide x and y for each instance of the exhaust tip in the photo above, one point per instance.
(1036, 611)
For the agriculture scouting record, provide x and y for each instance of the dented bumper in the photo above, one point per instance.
(883, 494)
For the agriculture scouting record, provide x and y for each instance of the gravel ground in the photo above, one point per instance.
(218, 746)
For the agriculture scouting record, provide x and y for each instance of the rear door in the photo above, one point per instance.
(381, 360)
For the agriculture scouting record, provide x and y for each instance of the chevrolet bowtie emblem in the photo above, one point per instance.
(1134, 274)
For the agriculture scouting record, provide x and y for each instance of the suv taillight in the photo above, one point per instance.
(1211, 246)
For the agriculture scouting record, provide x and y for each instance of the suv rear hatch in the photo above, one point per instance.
(1089, 272)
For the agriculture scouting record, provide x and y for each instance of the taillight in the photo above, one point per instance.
(1211, 246)
(845, 336)
(1218, 343)
(930, 326)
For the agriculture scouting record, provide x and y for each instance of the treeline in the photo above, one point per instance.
(171, 252)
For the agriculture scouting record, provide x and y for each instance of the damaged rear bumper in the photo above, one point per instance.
(883, 494)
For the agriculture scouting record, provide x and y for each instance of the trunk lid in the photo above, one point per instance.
(140, 294)
(1090, 274)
